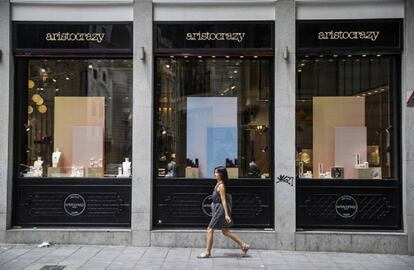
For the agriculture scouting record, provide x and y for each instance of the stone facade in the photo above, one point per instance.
(285, 235)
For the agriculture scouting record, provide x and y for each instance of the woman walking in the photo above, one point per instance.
(221, 214)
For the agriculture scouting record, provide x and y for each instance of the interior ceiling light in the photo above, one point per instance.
(31, 84)
(335, 55)
(364, 55)
(42, 109)
(36, 97)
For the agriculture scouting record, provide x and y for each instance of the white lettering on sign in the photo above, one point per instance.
(371, 35)
(215, 36)
(66, 36)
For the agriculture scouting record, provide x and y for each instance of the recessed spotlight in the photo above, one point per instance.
(167, 66)
(90, 66)
(364, 55)
(235, 71)
(378, 55)
(382, 89)
(171, 56)
(53, 80)
(255, 56)
(67, 78)
(303, 64)
(57, 89)
(185, 56)
(241, 56)
(335, 55)
(200, 56)
(233, 87)
(321, 55)
(43, 70)
(306, 56)
(299, 70)
(227, 56)
(213, 56)
(330, 60)
(376, 91)
(369, 93)
(357, 60)
(349, 55)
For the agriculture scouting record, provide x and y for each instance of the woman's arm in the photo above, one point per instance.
(222, 191)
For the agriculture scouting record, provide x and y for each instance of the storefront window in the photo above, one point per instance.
(346, 116)
(212, 111)
(79, 118)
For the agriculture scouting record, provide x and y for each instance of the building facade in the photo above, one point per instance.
(117, 112)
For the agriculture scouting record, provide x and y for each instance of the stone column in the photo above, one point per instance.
(6, 116)
(408, 124)
(284, 123)
(142, 124)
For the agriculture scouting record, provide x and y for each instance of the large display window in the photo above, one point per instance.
(348, 132)
(213, 111)
(213, 107)
(346, 124)
(79, 118)
(72, 124)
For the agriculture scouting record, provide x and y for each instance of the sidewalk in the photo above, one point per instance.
(30, 257)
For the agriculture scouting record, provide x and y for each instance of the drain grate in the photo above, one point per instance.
(53, 267)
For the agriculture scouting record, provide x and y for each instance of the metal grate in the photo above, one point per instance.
(98, 204)
(189, 205)
(371, 206)
(53, 267)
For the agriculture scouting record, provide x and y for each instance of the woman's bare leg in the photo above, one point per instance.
(232, 236)
(210, 235)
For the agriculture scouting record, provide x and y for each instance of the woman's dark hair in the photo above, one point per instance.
(223, 172)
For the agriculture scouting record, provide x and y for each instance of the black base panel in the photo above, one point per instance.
(184, 202)
(348, 204)
(72, 202)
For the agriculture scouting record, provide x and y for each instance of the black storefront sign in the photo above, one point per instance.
(79, 38)
(213, 36)
(349, 35)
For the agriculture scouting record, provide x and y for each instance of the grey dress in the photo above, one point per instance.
(218, 220)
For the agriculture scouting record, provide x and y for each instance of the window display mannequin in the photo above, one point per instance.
(56, 158)
(126, 168)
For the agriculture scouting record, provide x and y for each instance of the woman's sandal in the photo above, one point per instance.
(245, 248)
(203, 255)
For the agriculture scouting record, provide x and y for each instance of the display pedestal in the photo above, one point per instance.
(233, 172)
(95, 172)
(192, 172)
(54, 172)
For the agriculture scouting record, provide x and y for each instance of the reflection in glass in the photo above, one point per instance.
(212, 111)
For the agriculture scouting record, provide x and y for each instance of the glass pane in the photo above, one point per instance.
(344, 117)
(211, 112)
(79, 120)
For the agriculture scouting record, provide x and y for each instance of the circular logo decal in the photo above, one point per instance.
(206, 205)
(74, 205)
(346, 206)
